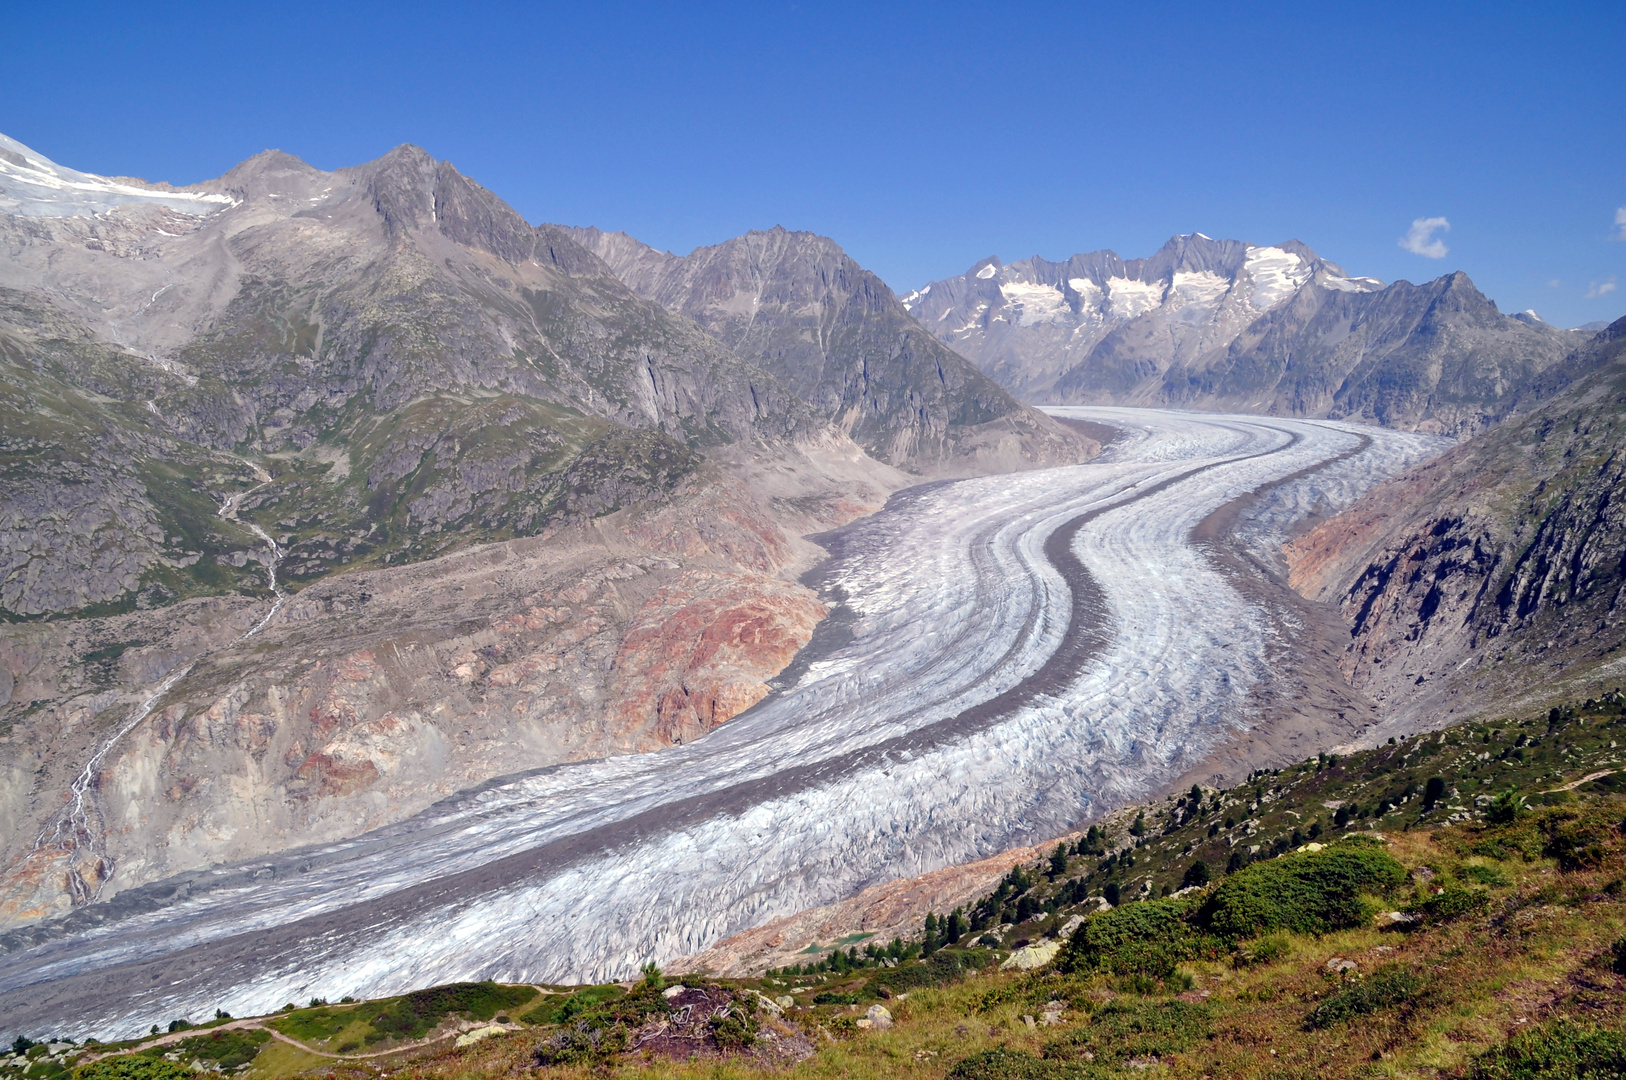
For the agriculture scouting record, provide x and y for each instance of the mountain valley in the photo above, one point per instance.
(394, 593)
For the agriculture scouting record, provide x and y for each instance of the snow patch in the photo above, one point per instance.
(1276, 275)
(1197, 293)
(1344, 284)
(1130, 298)
(1037, 303)
(32, 185)
(987, 272)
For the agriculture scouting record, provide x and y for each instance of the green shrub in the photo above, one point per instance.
(1385, 988)
(1311, 893)
(563, 1008)
(1145, 938)
(133, 1068)
(1560, 1051)
(1123, 1029)
(938, 969)
(1007, 1064)
(1454, 902)
(227, 1049)
(1579, 840)
(1485, 875)
(830, 997)
(1617, 957)
(1266, 950)
(416, 1014)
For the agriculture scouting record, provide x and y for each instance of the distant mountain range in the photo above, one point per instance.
(1224, 324)
(801, 308)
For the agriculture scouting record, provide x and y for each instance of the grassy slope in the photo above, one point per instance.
(1538, 903)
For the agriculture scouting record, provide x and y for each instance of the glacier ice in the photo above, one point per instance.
(865, 770)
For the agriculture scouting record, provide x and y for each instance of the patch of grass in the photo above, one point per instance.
(1128, 1028)
(1558, 1051)
(1387, 988)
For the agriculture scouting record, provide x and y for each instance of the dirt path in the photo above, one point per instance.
(1573, 784)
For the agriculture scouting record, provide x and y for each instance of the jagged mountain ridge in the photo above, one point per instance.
(1224, 324)
(799, 306)
(1497, 571)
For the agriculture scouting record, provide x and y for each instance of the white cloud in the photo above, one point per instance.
(1601, 288)
(1420, 238)
(1620, 223)
(1555, 283)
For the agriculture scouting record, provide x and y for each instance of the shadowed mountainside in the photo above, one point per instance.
(799, 306)
(1496, 569)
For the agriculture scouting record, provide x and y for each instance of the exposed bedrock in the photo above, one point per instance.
(1493, 577)
(968, 713)
(374, 694)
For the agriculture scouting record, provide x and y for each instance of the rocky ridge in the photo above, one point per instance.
(1223, 324)
(1494, 573)
(831, 331)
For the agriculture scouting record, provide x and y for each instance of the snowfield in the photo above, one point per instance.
(1027, 650)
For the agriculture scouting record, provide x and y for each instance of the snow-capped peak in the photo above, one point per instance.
(32, 185)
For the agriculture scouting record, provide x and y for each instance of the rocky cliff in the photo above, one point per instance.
(1223, 324)
(831, 331)
(1496, 573)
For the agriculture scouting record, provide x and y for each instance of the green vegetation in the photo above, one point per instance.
(1491, 946)
(399, 1019)
(133, 1068)
(1388, 987)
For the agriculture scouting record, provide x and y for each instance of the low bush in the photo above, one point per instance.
(938, 969)
(1312, 893)
(564, 1008)
(1454, 902)
(1558, 1051)
(226, 1049)
(1580, 840)
(416, 1014)
(1124, 1029)
(1385, 988)
(133, 1068)
(1006, 1064)
(830, 997)
(1146, 938)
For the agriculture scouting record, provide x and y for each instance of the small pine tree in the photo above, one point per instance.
(1433, 793)
(1139, 827)
(1112, 893)
(1058, 861)
(928, 944)
(1196, 875)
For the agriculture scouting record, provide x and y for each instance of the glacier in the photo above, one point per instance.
(1027, 651)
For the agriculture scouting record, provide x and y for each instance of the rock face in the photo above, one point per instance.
(1222, 324)
(1494, 575)
(832, 332)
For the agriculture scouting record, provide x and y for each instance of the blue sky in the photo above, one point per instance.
(922, 137)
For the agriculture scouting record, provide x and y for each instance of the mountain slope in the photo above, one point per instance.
(1497, 569)
(329, 494)
(1224, 324)
(795, 303)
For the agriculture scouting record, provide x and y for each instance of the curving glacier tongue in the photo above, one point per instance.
(1026, 650)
